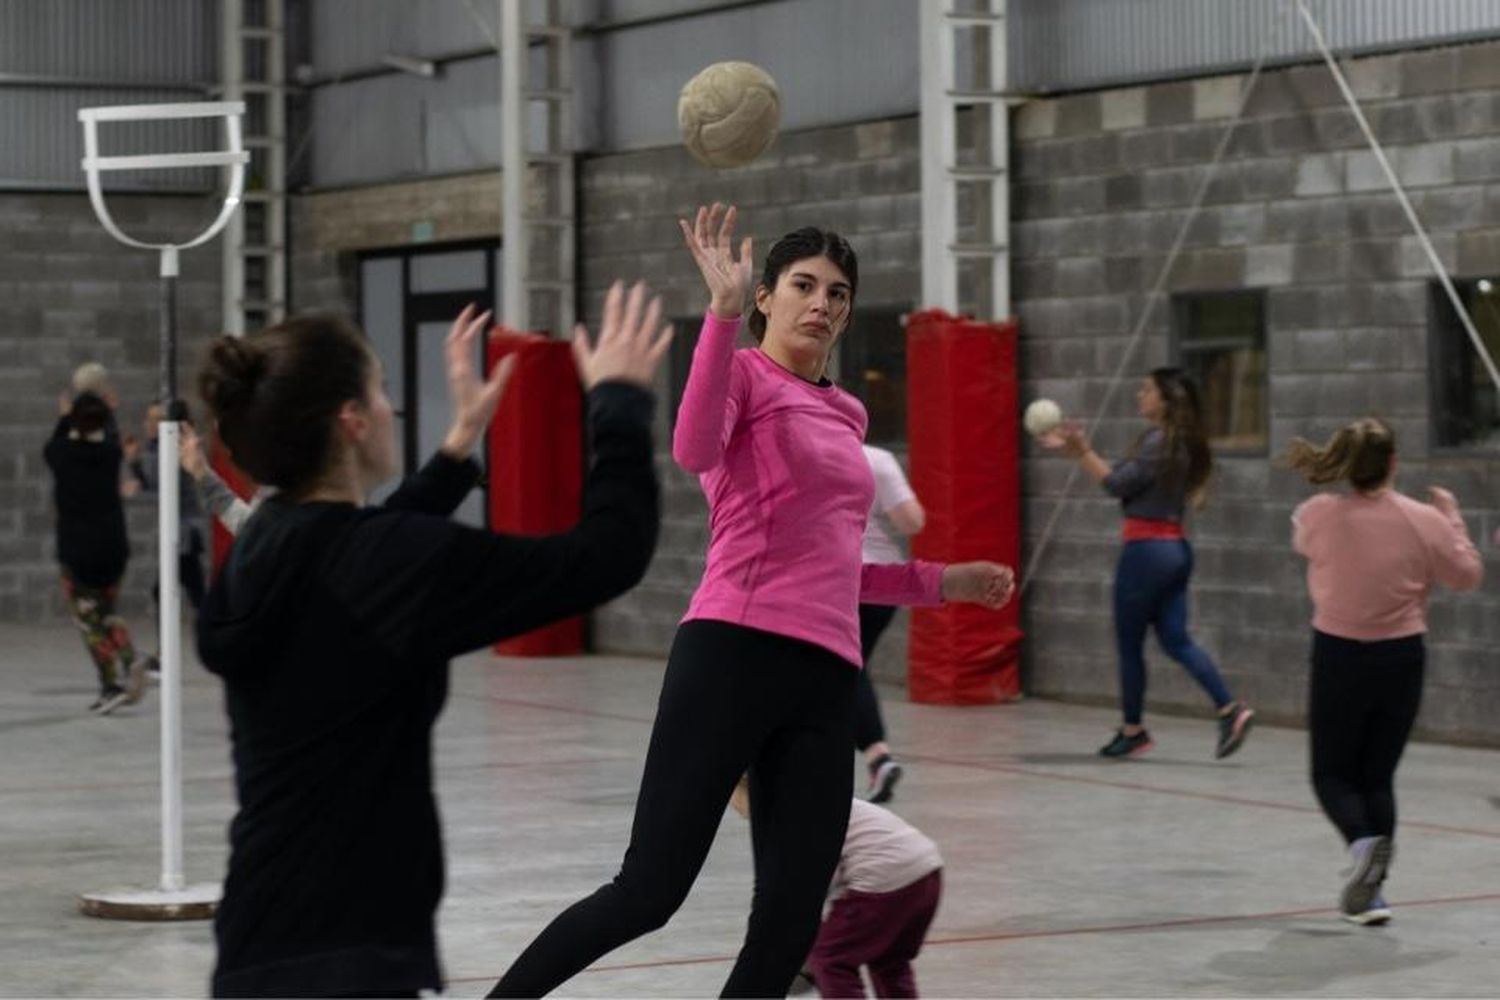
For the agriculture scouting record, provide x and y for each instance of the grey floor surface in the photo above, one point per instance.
(1066, 875)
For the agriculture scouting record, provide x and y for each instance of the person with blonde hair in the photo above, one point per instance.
(91, 376)
(1372, 556)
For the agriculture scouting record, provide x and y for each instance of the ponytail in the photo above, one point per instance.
(1360, 453)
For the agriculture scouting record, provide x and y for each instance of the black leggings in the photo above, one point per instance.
(874, 619)
(733, 699)
(1364, 699)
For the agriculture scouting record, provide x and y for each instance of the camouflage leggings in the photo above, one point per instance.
(104, 632)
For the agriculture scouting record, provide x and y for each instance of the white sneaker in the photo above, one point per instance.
(1371, 858)
(884, 773)
(1378, 913)
(109, 701)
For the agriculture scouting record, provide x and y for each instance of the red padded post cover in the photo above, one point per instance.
(536, 461)
(963, 434)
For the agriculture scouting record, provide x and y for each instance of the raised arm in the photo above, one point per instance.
(473, 587)
(1070, 439)
(446, 479)
(218, 499)
(709, 408)
(1456, 562)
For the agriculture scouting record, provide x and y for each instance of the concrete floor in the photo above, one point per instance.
(1066, 875)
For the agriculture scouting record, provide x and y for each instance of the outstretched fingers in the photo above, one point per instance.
(614, 307)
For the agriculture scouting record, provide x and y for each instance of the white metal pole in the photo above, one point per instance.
(232, 251)
(936, 132)
(173, 899)
(514, 252)
(1000, 160)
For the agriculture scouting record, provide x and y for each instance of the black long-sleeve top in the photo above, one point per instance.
(332, 626)
(92, 545)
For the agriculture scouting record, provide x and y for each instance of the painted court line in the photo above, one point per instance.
(1134, 786)
(1023, 935)
(227, 778)
(1137, 786)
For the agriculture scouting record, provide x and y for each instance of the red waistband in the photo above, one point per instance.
(1141, 529)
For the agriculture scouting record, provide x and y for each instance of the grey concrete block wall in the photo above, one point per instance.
(1300, 209)
(69, 294)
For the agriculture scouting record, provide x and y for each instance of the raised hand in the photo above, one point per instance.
(473, 400)
(1067, 437)
(986, 583)
(708, 239)
(1443, 500)
(190, 453)
(632, 340)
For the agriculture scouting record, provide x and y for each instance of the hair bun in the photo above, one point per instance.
(231, 373)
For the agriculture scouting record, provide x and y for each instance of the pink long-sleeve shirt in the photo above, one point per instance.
(781, 463)
(1371, 559)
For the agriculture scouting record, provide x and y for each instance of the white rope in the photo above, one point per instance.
(1152, 298)
(1400, 192)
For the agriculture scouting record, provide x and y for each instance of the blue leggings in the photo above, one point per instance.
(1151, 584)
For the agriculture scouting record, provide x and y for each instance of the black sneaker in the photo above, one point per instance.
(884, 773)
(1233, 728)
(1127, 746)
(109, 699)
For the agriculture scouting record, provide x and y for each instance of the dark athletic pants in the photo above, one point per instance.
(733, 699)
(1364, 699)
(874, 619)
(1151, 589)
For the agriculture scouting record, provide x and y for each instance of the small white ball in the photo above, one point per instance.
(1042, 416)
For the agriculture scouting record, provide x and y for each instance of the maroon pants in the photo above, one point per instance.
(882, 931)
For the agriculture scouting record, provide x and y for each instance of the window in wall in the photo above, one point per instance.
(872, 366)
(1220, 340)
(1465, 411)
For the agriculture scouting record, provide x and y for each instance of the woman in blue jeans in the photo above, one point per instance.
(1166, 470)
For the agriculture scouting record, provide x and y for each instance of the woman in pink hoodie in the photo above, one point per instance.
(1372, 556)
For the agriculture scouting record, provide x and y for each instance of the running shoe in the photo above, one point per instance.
(1127, 746)
(884, 773)
(1378, 913)
(1371, 857)
(109, 699)
(1233, 728)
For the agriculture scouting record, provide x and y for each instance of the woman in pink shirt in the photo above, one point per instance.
(1372, 555)
(762, 672)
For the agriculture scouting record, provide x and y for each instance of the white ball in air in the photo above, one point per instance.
(1042, 416)
(729, 114)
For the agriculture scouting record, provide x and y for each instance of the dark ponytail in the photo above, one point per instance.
(273, 395)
